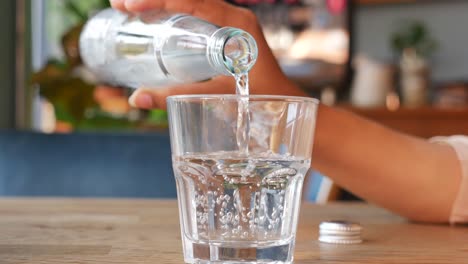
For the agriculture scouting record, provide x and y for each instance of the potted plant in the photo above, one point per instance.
(413, 44)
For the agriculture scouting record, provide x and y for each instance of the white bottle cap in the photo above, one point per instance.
(340, 232)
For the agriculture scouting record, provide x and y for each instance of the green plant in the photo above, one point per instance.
(73, 98)
(414, 35)
(81, 9)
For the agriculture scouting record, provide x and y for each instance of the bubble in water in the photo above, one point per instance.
(282, 172)
(274, 214)
(243, 209)
(261, 219)
(224, 222)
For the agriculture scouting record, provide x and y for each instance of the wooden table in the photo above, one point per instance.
(147, 231)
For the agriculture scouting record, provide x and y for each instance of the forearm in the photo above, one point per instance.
(407, 175)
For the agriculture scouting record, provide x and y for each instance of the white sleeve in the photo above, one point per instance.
(460, 207)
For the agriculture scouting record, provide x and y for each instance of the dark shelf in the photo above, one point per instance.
(378, 2)
(424, 122)
(387, 2)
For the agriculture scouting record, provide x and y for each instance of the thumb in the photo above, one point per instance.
(156, 98)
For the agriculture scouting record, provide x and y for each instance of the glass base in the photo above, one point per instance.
(213, 253)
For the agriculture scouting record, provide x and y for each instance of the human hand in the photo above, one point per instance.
(266, 76)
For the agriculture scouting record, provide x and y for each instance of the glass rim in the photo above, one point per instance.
(256, 97)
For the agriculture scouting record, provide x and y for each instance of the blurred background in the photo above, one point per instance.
(399, 62)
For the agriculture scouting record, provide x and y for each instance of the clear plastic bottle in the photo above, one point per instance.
(158, 48)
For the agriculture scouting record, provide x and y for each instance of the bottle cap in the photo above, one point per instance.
(340, 232)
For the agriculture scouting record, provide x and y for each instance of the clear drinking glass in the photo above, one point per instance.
(240, 206)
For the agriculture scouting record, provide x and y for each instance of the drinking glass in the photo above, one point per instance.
(236, 204)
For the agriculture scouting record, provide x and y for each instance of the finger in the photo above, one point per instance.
(102, 93)
(118, 4)
(156, 98)
(137, 6)
(142, 99)
(215, 11)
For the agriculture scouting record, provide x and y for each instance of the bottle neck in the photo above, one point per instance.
(232, 51)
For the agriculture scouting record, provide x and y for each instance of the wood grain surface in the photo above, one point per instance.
(147, 231)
